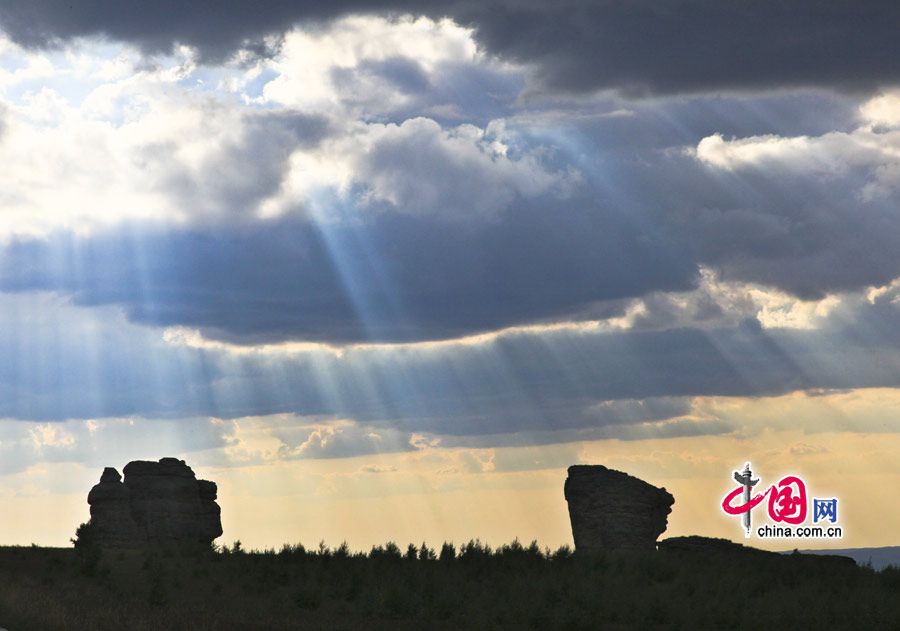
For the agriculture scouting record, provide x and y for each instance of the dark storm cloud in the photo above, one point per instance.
(552, 381)
(392, 278)
(676, 121)
(695, 45)
(576, 45)
(671, 428)
(791, 230)
(555, 381)
(217, 28)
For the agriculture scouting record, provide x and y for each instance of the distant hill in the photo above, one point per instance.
(879, 558)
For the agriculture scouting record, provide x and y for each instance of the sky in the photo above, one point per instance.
(384, 270)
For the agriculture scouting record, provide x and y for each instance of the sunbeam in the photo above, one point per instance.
(387, 276)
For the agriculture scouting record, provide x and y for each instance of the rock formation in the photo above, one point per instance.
(712, 548)
(159, 504)
(611, 510)
(695, 544)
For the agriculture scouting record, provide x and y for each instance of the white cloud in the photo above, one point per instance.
(884, 109)
(308, 60)
(18, 66)
(418, 167)
(267, 439)
(140, 148)
(718, 303)
(338, 439)
(112, 137)
(870, 152)
(833, 152)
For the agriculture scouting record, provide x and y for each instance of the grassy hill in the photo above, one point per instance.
(878, 558)
(472, 587)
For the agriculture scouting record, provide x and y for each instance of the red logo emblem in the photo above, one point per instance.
(787, 500)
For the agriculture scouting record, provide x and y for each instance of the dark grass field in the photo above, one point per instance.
(513, 587)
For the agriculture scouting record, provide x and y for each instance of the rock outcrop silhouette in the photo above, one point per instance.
(712, 547)
(159, 504)
(611, 510)
(696, 544)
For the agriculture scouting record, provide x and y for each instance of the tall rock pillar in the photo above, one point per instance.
(611, 510)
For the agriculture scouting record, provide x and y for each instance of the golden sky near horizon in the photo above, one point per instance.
(438, 494)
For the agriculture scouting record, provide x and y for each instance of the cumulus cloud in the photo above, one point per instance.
(140, 147)
(882, 110)
(716, 304)
(419, 167)
(458, 173)
(177, 144)
(338, 440)
(368, 65)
